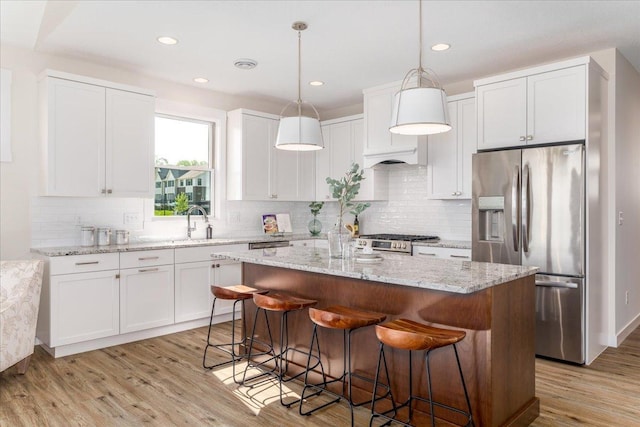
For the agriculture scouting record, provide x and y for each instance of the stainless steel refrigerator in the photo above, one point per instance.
(528, 208)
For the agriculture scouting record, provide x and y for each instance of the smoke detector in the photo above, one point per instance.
(245, 63)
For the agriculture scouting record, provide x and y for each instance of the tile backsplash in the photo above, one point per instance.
(56, 221)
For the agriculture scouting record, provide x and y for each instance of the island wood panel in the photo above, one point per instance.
(497, 355)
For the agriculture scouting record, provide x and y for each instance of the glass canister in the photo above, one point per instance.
(87, 235)
(104, 236)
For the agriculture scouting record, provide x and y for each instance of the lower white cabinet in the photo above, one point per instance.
(79, 300)
(195, 272)
(444, 253)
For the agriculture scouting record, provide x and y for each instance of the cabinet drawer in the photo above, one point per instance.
(146, 258)
(83, 263)
(445, 253)
(203, 253)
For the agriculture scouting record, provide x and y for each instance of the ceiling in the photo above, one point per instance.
(350, 45)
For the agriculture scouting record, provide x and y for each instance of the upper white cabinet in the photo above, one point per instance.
(97, 137)
(449, 154)
(343, 145)
(545, 106)
(380, 144)
(256, 170)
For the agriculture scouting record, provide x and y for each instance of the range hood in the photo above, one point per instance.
(409, 154)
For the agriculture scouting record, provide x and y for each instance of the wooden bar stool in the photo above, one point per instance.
(348, 320)
(238, 294)
(284, 304)
(406, 334)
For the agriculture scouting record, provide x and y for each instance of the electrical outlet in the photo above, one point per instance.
(131, 218)
(620, 218)
(626, 297)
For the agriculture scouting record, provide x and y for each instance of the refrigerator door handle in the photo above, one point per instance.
(526, 208)
(515, 200)
(552, 284)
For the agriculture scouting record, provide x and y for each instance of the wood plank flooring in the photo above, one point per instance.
(161, 382)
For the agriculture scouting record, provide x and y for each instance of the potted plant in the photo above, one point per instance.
(315, 226)
(344, 190)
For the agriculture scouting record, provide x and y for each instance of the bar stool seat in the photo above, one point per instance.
(348, 319)
(405, 334)
(238, 294)
(285, 304)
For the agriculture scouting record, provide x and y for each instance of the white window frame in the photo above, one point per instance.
(219, 151)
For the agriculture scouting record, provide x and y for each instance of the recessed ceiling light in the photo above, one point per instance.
(201, 80)
(167, 40)
(440, 47)
(316, 83)
(245, 63)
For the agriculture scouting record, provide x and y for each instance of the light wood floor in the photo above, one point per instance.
(161, 382)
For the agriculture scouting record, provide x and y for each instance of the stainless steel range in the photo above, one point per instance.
(392, 242)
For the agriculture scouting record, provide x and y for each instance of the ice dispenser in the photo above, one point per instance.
(491, 218)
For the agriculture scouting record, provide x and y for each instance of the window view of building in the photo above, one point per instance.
(184, 162)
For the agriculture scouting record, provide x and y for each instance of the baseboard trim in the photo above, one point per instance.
(626, 331)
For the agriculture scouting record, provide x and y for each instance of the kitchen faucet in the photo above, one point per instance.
(191, 209)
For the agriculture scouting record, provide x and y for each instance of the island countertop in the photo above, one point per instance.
(456, 276)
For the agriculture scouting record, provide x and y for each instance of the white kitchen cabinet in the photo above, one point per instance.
(80, 299)
(344, 141)
(547, 106)
(256, 170)
(379, 143)
(195, 272)
(146, 290)
(97, 139)
(449, 154)
(442, 253)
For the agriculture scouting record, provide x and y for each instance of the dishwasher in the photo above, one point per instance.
(267, 245)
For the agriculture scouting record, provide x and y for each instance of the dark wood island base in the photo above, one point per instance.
(497, 355)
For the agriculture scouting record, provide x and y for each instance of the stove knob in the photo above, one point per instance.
(393, 245)
(363, 242)
(404, 246)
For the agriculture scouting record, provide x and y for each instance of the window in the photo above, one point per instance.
(183, 154)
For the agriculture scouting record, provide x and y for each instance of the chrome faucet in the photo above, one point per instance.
(191, 209)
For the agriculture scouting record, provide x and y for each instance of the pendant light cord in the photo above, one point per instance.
(299, 73)
(420, 69)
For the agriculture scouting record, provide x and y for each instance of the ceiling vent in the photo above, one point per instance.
(245, 64)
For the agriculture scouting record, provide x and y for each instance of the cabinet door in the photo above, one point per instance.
(84, 307)
(557, 106)
(467, 145)
(192, 290)
(226, 273)
(75, 138)
(337, 156)
(146, 298)
(442, 160)
(378, 108)
(306, 175)
(502, 114)
(258, 134)
(129, 144)
(284, 174)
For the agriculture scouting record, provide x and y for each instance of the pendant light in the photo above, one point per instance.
(299, 133)
(420, 109)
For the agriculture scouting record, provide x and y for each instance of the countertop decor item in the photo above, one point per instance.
(420, 110)
(299, 133)
(315, 226)
(344, 190)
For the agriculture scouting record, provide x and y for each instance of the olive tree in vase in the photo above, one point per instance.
(344, 190)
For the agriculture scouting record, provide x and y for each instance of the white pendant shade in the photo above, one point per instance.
(420, 111)
(299, 133)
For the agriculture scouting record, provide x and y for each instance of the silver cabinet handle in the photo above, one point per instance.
(109, 191)
(87, 263)
(215, 265)
(515, 201)
(526, 211)
(148, 258)
(459, 256)
(426, 254)
(529, 137)
(147, 270)
(274, 196)
(104, 191)
(522, 138)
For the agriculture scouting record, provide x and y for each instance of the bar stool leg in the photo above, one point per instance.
(232, 345)
(464, 387)
(433, 418)
(382, 359)
(270, 351)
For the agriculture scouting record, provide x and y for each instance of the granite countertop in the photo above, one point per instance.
(438, 274)
(455, 244)
(168, 244)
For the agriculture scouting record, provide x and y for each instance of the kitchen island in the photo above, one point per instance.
(493, 303)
